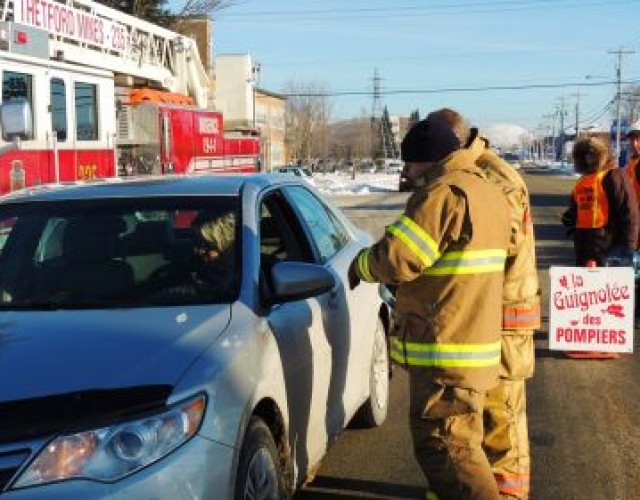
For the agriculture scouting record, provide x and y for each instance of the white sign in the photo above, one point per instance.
(591, 309)
(61, 20)
(208, 125)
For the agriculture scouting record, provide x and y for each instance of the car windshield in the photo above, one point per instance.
(127, 252)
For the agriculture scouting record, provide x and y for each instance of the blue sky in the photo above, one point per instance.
(423, 49)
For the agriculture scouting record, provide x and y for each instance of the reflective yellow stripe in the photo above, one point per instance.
(446, 355)
(363, 266)
(596, 197)
(431, 495)
(469, 262)
(419, 242)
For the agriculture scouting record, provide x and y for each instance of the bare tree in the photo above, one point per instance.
(307, 115)
(204, 7)
(155, 12)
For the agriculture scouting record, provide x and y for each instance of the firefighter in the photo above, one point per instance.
(506, 440)
(446, 255)
(603, 209)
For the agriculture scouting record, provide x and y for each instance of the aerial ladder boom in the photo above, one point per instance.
(90, 34)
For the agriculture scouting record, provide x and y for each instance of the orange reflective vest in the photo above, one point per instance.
(591, 201)
(632, 168)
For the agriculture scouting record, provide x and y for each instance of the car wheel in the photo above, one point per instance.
(259, 469)
(374, 410)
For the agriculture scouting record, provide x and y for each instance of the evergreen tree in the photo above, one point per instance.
(389, 148)
(414, 118)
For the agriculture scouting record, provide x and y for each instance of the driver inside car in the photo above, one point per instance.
(212, 268)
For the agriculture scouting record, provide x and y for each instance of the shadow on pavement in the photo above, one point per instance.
(343, 488)
(550, 200)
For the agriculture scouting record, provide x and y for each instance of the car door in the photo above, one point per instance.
(329, 240)
(298, 330)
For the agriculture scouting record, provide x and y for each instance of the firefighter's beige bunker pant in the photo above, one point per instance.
(506, 441)
(447, 430)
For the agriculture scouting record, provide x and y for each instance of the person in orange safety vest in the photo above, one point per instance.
(603, 209)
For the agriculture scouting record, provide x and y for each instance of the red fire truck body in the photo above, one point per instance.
(104, 94)
(179, 139)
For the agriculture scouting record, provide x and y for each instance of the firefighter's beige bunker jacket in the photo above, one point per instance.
(521, 295)
(447, 254)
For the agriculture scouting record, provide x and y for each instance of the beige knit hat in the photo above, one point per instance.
(591, 154)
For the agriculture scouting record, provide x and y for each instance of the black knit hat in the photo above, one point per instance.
(429, 140)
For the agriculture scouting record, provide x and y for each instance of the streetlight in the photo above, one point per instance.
(255, 79)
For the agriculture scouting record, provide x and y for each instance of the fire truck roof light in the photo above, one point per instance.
(21, 37)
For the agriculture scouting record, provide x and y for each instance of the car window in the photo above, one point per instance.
(280, 237)
(120, 252)
(328, 233)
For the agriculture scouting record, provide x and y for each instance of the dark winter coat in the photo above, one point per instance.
(621, 229)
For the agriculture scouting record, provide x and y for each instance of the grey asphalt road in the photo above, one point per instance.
(584, 415)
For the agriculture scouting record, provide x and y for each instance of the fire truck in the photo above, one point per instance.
(88, 92)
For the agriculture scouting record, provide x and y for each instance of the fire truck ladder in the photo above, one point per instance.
(129, 46)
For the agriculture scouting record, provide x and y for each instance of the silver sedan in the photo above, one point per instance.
(180, 337)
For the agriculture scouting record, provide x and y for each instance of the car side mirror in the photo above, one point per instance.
(299, 280)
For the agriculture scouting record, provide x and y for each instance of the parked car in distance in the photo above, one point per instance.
(513, 159)
(303, 172)
(367, 168)
(393, 166)
(174, 335)
(404, 183)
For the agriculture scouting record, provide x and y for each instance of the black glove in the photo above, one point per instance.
(621, 256)
(354, 279)
(388, 294)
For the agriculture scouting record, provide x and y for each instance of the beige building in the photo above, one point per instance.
(246, 106)
(200, 29)
(270, 109)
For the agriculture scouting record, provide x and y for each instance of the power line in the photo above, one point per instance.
(488, 88)
(595, 115)
(417, 11)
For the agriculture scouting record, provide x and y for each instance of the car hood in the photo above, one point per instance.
(45, 353)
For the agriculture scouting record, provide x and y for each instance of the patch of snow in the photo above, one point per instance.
(341, 183)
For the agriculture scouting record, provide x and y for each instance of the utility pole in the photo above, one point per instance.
(376, 111)
(562, 113)
(577, 96)
(255, 80)
(620, 52)
(380, 124)
(551, 117)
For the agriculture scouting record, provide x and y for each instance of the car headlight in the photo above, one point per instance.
(110, 453)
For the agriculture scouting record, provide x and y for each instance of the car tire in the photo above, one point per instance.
(373, 412)
(260, 474)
